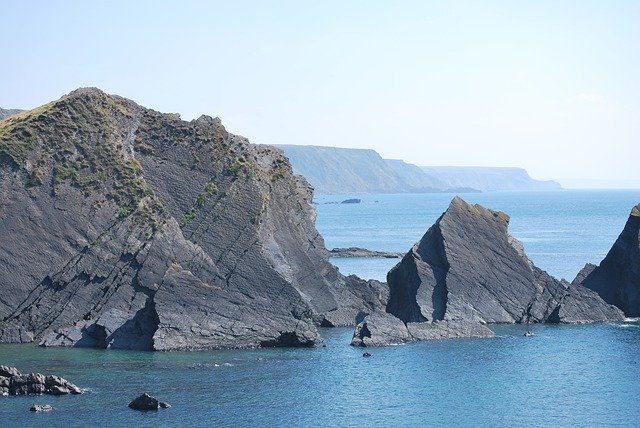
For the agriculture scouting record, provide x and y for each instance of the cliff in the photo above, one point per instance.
(488, 178)
(334, 170)
(617, 278)
(128, 228)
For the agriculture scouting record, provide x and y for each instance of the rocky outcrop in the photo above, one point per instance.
(12, 382)
(383, 329)
(617, 278)
(128, 228)
(146, 402)
(363, 252)
(466, 272)
(467, 267)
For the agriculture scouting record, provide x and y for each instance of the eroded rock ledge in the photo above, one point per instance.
(363, 252)
(467, 271)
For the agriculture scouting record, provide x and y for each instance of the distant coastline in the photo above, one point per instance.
(334, 170)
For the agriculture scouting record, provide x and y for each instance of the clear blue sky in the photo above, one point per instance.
(552, 86)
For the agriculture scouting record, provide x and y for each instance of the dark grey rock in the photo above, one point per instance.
(6, 371)
(151, 233)
(34, 384)
(467, 267)
(383, 329)
(41, 408)
(144, 403)
(164, 405)
(617, 278)
(351, 201)
(366, 355)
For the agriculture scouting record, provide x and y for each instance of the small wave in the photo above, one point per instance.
(207, 365)
(631, 319)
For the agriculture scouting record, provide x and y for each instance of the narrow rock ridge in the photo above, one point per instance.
(467, 271)
(132, 229)
(617, 278)
(363, 252)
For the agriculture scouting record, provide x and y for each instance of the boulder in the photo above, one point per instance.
(146, 402)
(617, 278)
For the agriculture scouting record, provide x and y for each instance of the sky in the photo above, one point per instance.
(550, 86)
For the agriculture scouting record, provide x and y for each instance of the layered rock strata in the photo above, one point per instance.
(128, 228)
(617, 278)
(467, 271)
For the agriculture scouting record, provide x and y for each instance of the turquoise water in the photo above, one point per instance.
(563, 376)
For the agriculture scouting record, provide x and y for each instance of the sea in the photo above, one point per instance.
(584, 375)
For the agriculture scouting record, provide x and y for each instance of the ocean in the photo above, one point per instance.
(563, 376)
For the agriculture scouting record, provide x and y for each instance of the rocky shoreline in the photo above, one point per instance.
(147, 232)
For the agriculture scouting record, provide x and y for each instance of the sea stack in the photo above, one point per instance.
(617, 278)
(128, 228)
(467, 271)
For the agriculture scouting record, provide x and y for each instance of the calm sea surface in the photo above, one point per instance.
(563, 376)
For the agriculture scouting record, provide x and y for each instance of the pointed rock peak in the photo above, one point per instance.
(459, 205)
(205, 119)
(635, 211)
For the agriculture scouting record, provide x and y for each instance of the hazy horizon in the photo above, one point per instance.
(551, 87)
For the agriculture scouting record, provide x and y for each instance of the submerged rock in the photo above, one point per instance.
(617, 278)
(144, 231)
(41, 408)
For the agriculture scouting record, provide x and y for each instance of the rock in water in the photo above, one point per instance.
(465, 272)
(617, 278)
(12, 382)
(383, 329)
(41, 408)
(144, 231)
(468, 268)
(145, 402)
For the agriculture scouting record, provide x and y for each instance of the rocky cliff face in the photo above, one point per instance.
(128, 228)
(467, 267)
(617, 278)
